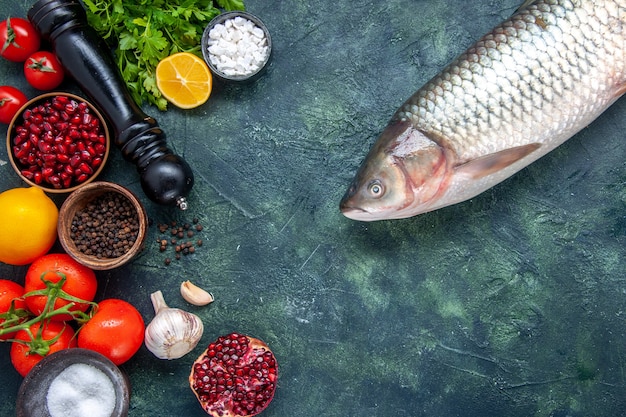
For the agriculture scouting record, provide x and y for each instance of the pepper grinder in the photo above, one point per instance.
(165, 177)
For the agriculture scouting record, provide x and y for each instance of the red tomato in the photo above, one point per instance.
(24, 357)
(80, 283)
(116, 331)
(43, 70)
(19, 39)
(10, 292)
(11, 100)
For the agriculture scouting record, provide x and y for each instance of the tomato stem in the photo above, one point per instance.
(10, 37)
(14, 319)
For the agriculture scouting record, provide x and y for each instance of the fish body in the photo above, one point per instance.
(516, 94)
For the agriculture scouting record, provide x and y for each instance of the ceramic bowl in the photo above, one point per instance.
(37, 395)
(76, 202)
(56, 147)
(213, 60)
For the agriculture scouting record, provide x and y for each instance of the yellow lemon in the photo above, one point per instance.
(28, 225)
(184, 79)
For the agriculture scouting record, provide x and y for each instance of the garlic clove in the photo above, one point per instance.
(173, 332)
(195, 295)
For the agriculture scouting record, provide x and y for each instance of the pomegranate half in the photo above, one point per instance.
(235, 376)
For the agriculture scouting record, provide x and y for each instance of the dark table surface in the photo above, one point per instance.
(511, 304)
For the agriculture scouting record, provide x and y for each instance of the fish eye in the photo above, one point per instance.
(376, 189)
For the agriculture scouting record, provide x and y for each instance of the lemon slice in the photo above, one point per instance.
(184, 79)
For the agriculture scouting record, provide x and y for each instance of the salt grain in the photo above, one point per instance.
(81, 390)
(237, 47)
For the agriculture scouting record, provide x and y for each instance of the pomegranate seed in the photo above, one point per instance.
(28, 174)
(85, 155)
(35, 129)
(49, 158)
(85, 168)
(44, 147)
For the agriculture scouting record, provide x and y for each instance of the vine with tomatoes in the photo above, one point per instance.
(54, 310)
(20, 42)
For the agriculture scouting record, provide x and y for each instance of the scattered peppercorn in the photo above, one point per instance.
(179, 233)
(107, 227)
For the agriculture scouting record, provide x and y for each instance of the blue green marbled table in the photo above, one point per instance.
(511, 304)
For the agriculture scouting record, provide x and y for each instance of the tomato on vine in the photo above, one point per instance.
(39, 340)
(11, 305)
(11, 100)
(80, 283)
(43, 70)
(19, 39)
(116, 330)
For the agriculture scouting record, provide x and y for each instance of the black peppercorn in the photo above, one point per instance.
(107, 227)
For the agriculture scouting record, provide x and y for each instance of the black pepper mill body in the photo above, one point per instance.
(165, 177)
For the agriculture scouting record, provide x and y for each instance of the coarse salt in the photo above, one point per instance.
(237, 47)
(81, 390)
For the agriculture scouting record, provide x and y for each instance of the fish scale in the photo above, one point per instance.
(519, 92)
(525, 77)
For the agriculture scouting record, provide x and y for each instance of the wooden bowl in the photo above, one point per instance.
(77, 201)
(18, 166)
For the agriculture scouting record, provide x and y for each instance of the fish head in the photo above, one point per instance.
(400, 177)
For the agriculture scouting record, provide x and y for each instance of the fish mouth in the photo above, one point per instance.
(356, 213)
(359, 214)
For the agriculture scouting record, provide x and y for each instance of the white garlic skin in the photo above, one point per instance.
(173, 332)
(194, 294)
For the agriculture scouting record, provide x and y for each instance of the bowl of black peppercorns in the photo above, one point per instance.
(102, 225)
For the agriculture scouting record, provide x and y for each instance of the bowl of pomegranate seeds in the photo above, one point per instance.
(58, 142)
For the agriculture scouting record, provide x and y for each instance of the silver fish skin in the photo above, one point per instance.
(516, 94)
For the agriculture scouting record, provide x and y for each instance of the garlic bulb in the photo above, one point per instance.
(173, 332)
(194, 294)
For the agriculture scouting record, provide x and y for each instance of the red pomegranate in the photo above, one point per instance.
(235, 376)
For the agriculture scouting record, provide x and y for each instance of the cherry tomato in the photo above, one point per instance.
(11, 100)
(10, 292)
(43, 70)
(116, 330)
(80, 283)
(19, 39)
(24, 356)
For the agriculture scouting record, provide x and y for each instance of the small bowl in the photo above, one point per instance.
(211, 61)
(38, 152)
(32, 397)
(76, 202)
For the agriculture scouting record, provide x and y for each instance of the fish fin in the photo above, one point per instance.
(524, 5)
(490, 164)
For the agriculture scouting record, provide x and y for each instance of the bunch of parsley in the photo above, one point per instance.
(143, 32)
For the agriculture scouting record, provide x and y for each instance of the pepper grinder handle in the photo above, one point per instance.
(166, 178)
